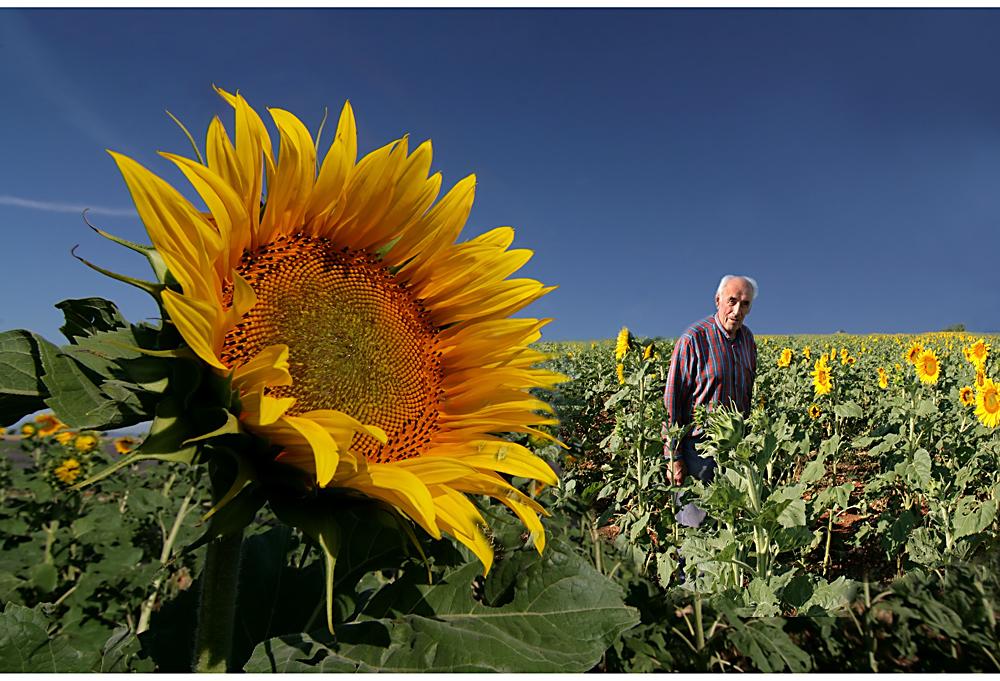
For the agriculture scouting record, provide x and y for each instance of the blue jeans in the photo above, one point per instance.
(701, 468)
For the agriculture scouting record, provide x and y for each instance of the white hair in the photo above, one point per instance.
(726, 279)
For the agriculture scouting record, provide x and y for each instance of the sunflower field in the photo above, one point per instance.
(356, 457)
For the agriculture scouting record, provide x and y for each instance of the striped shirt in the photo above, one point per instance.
(708, 368)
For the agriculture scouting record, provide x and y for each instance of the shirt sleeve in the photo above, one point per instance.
(678, 390)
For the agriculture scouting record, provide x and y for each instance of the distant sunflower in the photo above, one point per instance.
(807, 350)
(980, 380)
(928, 367)
(967, 396)
(881, 371)
(68, 471)
(914, 352)
(64, 437)
(28, 430)
(844, 353)
(621, 345)
(822, 381)
(48, 424)
(648, 352)
(786, 357)
(988, 404)
(364, 342)
(883, 381)
(814, 411)
(85, 442)
(978, 353)
(620, 370)
(124, 445)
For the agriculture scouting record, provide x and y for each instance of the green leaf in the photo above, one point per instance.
(562, 618)
(848, 410)
(43, 577)
(89, 316)
(26, 648)
(21, 389)
(765, 642)
(972, 517)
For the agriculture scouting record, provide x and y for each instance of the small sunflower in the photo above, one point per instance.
(786, 357)
(914, 352)
(967, 396)
(648, 352)
(64, 437)
(28, 430)
(881, 371)
(68, 471)
(620, 370)
(85, 442)
(988, 404)
(48, 424)
(362, 341)
(844, 353)
(621, 344)
(807, 351)
(124, 445)
(822, 381)
(883, 381)
(814, 411)
(978, 353)
(928, 367)
(980, 379)
(851, 360)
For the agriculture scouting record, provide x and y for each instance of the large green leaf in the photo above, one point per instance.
(21, 389)
(562, 618)
(25, 647)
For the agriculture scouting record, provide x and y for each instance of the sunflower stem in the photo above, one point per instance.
(214, 640)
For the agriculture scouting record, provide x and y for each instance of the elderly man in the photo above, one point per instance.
(714, 362)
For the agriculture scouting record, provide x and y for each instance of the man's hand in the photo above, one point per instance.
(680, 471)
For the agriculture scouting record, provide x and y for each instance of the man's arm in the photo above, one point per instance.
(677, 394)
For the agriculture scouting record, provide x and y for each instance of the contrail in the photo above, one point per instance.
(65, 207)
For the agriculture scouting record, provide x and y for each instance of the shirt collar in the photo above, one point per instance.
(718, 325)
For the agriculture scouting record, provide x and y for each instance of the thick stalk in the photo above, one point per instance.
(168, 547)
(216, 612)
(699, 632)
(829, 535)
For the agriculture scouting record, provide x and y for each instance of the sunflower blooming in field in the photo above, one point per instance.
(814, 412)
(967, 396)
(927, 366)
(822, 381)
(786, 357)
(621, 344)
(372, 349)
(988, 404)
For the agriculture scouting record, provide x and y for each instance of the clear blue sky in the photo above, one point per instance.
(847, 159)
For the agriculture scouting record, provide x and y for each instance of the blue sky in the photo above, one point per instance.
(849, 160)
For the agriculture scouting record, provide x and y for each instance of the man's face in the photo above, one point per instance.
(733, 304)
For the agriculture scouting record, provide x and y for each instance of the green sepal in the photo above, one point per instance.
(155, 290)
(152, 255)
(181, 352)
(230, 427)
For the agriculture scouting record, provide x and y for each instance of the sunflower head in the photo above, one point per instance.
(620, 371)
(967, 396)
(48, 424)
(978, 353)
(374, 354)
(883, 381)
(988, 404)
(927, 366)
(621, 344)
(914, 352)
(648, 352)
(786, 357)
(64, 437)
(85, 442)
(822, 382)
(814, 412)
(807, 351)
(28, 430)
(124, 445)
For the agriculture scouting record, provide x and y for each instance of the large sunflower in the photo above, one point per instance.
(928, 367)
(988, 404)
(362, 340)
(822, 382)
